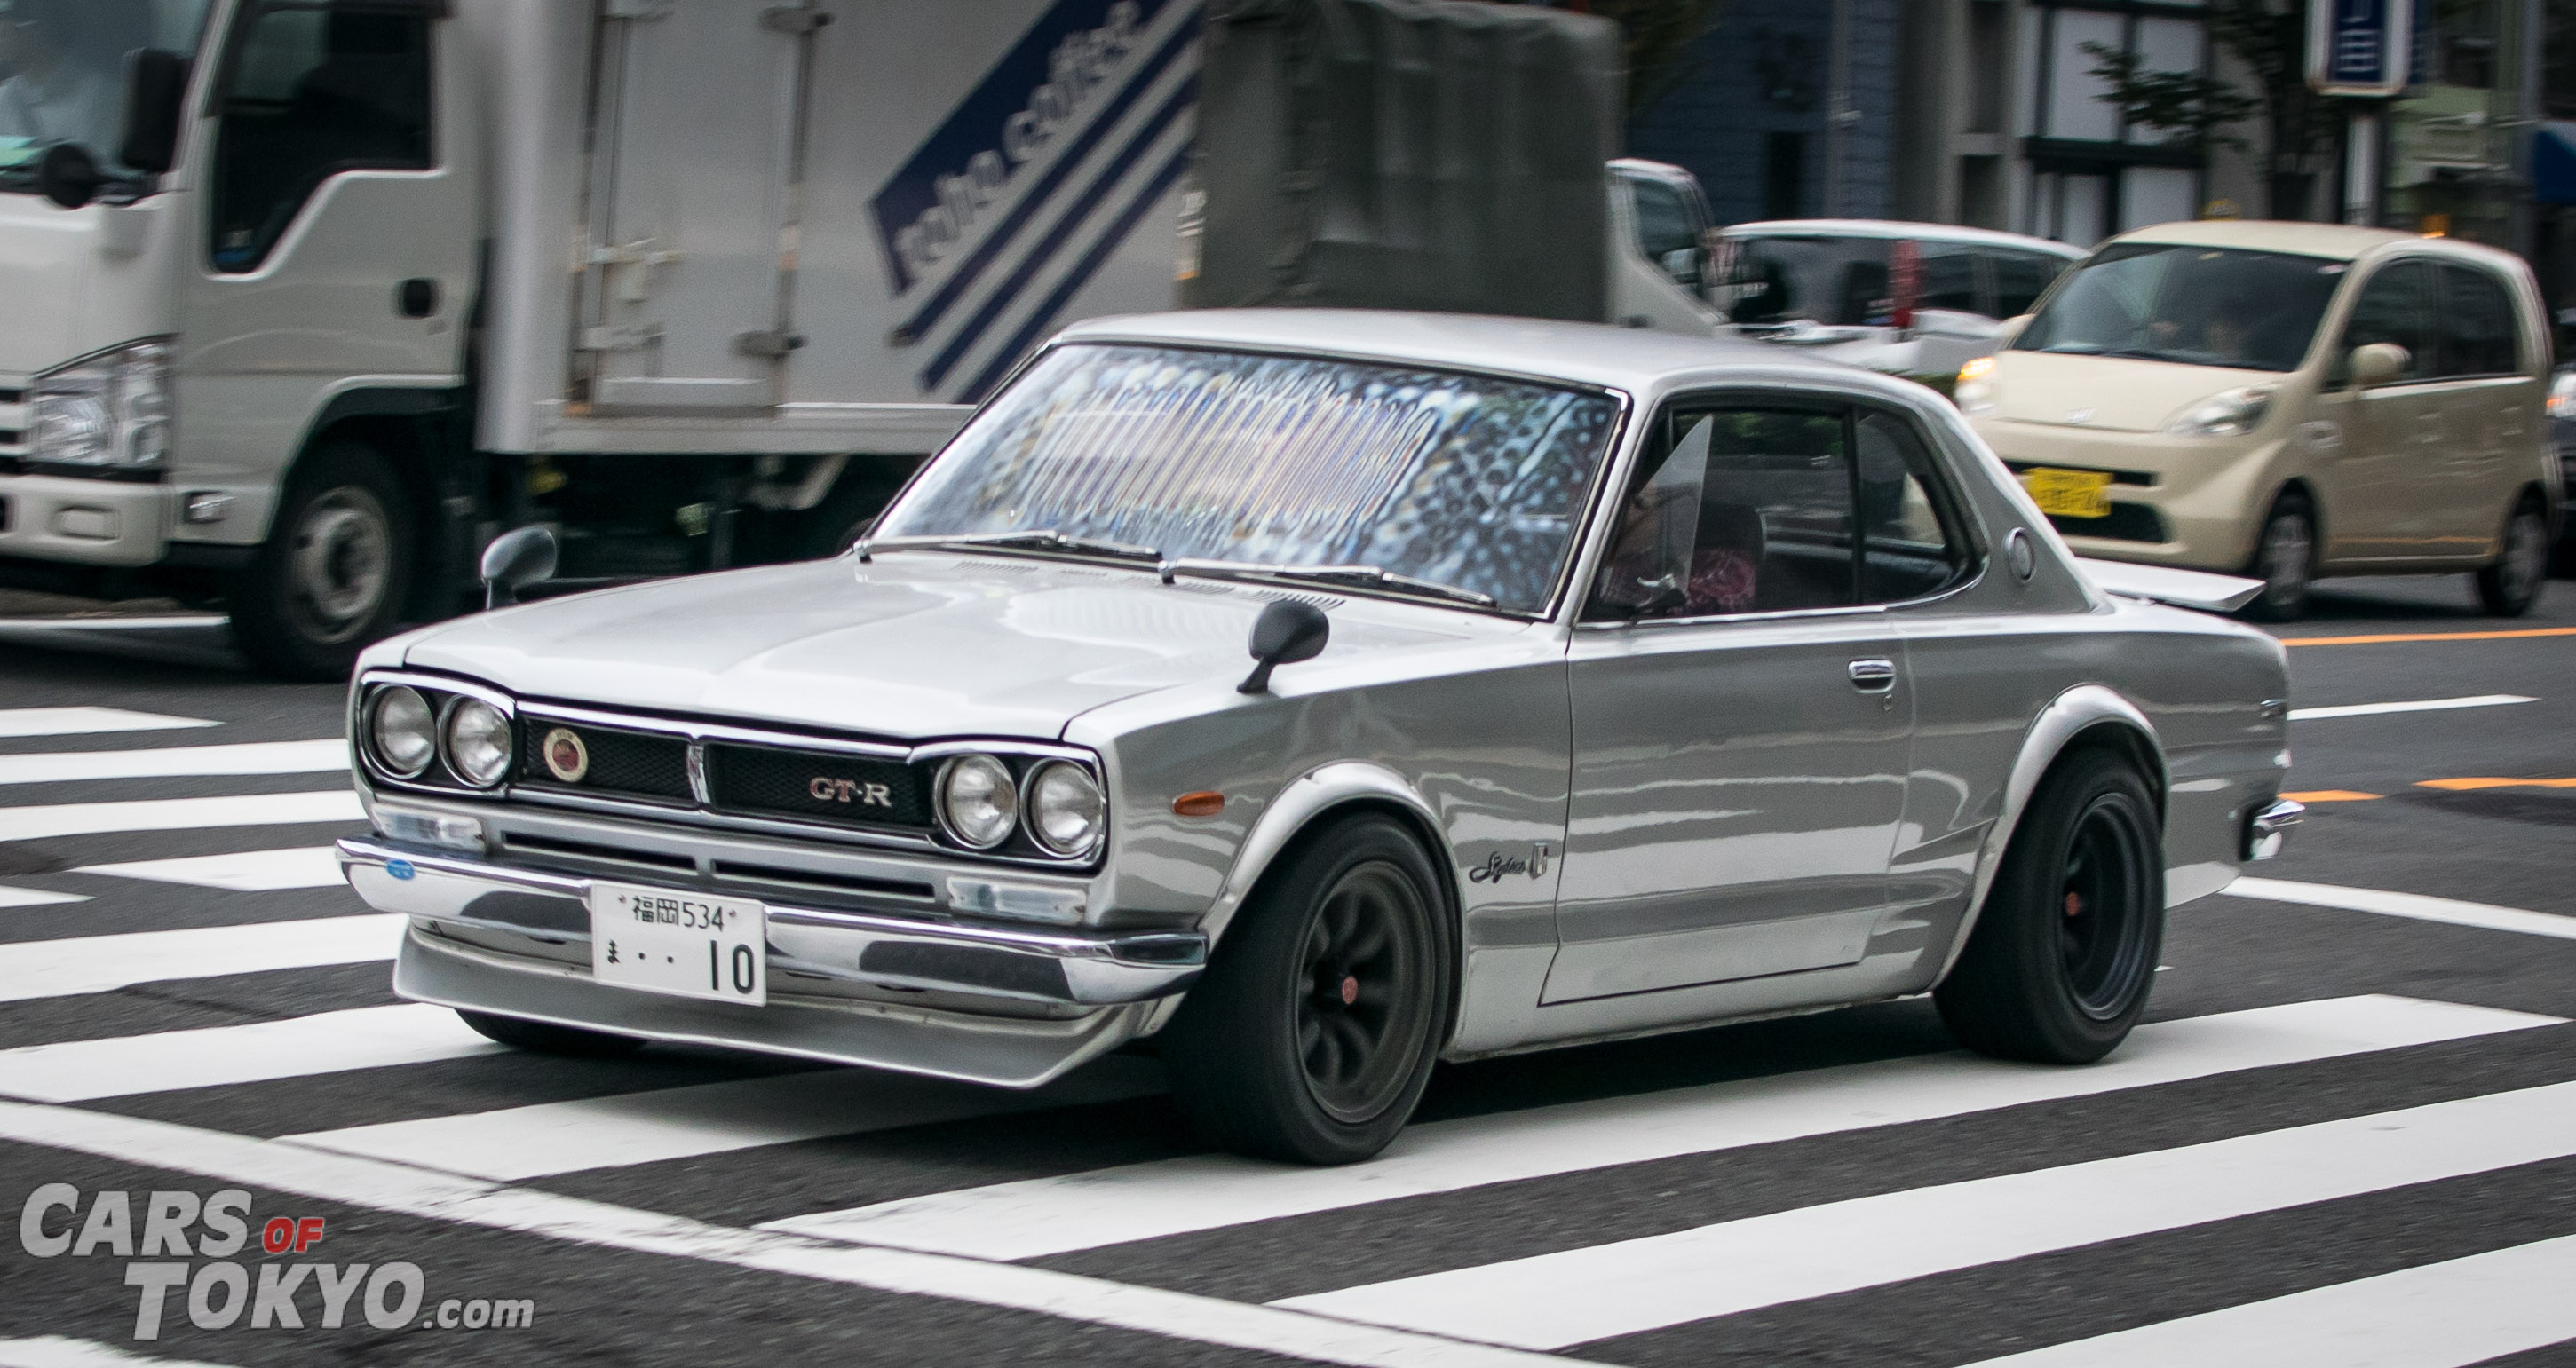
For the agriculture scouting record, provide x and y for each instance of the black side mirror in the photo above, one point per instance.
(514, 561)
(1287, 632)
(68, 175)
(156, 89)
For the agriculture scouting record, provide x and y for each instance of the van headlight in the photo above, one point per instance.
(478, 742)
(978, 802)
(2230, 414)
(110, 411)
(1066, 811)
(1977, 389)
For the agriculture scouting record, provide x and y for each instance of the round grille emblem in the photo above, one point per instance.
(567, 758)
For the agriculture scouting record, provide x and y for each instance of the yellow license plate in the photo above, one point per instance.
(2069, 493)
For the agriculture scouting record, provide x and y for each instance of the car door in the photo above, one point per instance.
(1740, 716)
(2387, 436)
(2491, 405)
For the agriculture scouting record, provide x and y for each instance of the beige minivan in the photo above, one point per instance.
(2286, 400)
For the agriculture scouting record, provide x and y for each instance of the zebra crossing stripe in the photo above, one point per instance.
(253, 757)
(2414, 905)
(56, 1351)
(23, 722)
(181, 814)
(406, 1190)
(1551, 1301)
(710, 1118)
(100, 964)
(2444, 1315)
(1041, 1216)
(325, 1042)
(243, 871)
(36, 897)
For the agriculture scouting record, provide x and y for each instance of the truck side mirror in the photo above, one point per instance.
(2377, 363)
(514, 561)
(156, 90)
(69, 176)
(1285, 633)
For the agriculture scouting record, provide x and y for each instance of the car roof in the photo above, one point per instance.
(1896, 228)
(2337, 241)
(1636, 360)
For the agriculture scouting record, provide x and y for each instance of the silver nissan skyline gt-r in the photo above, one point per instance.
(1325, 694)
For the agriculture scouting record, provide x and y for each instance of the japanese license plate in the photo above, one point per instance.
(2069, 493)
(685, 944)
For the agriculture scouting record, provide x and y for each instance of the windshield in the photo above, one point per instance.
(2195, 306)
(1471, 482)
(1834, 280)
(62, 73)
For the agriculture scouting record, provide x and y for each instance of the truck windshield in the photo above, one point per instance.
(2194, 306)
(62, 73)
(1468, 483)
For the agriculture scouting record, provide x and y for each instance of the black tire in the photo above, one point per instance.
(335, 571)
(2509, 587)
(545, 1037)
(2285, 559)
(2061, 962)
(1313, 1032)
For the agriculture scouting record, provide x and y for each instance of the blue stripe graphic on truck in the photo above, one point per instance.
(1078, 277)
(1085, 205)
(1029, 97)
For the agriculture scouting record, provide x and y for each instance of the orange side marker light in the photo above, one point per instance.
(1200, 804)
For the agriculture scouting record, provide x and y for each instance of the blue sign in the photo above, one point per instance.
(2360, 47)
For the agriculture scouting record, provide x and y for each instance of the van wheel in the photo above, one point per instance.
(1312, 1034)
(2285, 559)
(335, 570)
(2509, 587)
(2060, 963)
(544, 1037)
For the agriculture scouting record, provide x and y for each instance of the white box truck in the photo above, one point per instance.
(304, 301)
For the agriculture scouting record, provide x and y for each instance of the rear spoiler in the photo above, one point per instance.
(2181, 588)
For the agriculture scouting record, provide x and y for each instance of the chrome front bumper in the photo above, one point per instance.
(1086, 968)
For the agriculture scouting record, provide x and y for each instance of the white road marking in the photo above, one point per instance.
(55, 1351)
(180, 814)
(245, 871)
(161, 622)
(99, 964)
(2444, 1315)
(405, 1190)
(2415, 905)
(254, 757)
(17, 722)
(325, 1042)
(710, 1118)
(1576, 1296)
(1041, 1216)
(2415, 705)
(37, 897)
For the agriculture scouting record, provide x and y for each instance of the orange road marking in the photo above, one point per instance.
(2459, 785)
(2332, 796)
(2426, 636)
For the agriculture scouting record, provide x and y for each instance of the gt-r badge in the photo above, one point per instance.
(567, 758)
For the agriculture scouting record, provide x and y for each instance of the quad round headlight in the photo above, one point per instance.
(1065, 808)
(478, 742)
(401, 732)
(978, 801)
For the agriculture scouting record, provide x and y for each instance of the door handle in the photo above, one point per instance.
(416, 298)
(1873, 676)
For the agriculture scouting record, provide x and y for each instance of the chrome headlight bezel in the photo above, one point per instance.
(109, 412)
(1073, 782)
(2228, 413)
(374, 746)
(464, 710)
(992, 780)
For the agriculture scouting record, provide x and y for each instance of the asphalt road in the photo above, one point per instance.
(2348, 1130)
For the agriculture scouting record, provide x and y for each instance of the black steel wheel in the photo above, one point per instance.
(2509, 587)
(2285, 559)
(2062, 958)
(1313, 1032)
(335, 571)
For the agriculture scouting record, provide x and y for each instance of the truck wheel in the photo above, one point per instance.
(2059, 966)
(334, 572)
(2285, 559)
(2509, 587)
(544, 1037)
(1313, 1032)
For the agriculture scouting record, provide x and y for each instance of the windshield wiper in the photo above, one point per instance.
(1033, 540)
(1374, 576)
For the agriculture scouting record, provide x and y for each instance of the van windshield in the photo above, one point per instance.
(62, 73)
(2193, 306)
(1838, 281)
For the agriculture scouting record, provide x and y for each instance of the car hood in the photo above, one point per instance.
(912, 645)
(2111, 393)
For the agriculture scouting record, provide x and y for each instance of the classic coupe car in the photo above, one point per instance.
(1323, 695)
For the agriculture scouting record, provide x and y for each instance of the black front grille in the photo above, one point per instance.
(622, 763)
(817, 784)
(2127, 522)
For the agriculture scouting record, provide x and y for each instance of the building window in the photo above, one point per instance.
(2091, 176)
(1784, 175)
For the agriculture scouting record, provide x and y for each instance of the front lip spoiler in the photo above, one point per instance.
(1082, 968)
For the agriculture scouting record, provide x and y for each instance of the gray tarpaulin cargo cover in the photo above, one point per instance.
(1407, 154)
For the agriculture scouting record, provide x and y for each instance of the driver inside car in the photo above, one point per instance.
(62, 59)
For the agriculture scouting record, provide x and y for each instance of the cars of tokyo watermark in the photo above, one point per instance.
(192, 1252)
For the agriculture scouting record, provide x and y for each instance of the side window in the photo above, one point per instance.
(1909, 549)
(1949, 278)
(310, 91)
(1738, 509)
(2020, 279)
(1665, 228)
(2396, 305)
(2477, 324)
